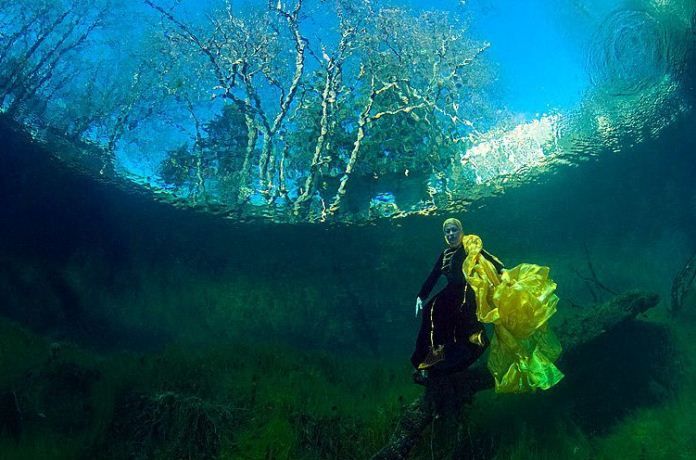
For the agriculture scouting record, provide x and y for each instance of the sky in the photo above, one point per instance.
(538, 47)
(541, 61)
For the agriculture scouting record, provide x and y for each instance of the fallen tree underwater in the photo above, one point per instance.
(450, 395)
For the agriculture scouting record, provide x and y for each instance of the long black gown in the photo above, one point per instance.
(449, 317)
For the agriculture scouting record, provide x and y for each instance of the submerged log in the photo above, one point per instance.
(682, 284)
(449, 394)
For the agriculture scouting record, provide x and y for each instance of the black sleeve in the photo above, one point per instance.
(497, 263)
(432, 279)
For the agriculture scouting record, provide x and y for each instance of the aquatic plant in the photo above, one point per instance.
(167, 425)
(273, 400)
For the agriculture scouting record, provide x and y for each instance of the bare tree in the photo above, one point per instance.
(382, 101)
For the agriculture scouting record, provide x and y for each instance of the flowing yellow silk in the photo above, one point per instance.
(519, 303)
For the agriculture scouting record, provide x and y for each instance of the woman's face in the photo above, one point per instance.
(453, 236)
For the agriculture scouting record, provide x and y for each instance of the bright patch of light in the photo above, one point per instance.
(506, 152)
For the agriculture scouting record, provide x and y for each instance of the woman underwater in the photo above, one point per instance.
(451, 337)
(518, 302)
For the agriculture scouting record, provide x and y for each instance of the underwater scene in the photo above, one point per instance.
(347, 229)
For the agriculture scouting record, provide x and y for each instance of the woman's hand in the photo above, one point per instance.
(419, 305)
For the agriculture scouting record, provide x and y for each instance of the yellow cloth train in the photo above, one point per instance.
(519, 303)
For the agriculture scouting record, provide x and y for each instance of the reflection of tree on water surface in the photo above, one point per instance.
(264, 112)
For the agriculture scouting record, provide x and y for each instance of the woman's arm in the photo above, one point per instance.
(432, 279)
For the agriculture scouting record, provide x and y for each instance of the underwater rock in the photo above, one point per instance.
(166, 425)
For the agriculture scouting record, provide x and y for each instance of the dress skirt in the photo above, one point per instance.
(449, 320)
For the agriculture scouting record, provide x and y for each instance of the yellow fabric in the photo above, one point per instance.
(518, 303)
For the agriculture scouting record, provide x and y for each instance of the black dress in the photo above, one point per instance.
(449, 318)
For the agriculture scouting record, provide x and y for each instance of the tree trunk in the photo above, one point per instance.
(450, 394)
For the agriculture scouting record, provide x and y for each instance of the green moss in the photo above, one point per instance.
(265, 438)
(293, 403)
(289, 403)
(664, 433)
(667, 431)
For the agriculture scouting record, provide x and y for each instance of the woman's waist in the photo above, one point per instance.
(455, 285)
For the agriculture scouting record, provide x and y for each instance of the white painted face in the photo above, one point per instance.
(453, 236)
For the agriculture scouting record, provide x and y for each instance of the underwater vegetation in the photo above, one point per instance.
(222, 402)
(235, 401)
